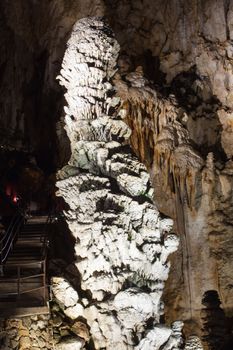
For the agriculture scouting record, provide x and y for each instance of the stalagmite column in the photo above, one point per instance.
(122, 243)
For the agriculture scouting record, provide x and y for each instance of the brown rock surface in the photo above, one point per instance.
(191, 186)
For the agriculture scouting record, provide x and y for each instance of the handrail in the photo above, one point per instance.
(28, 291)
(9, 236)
(32, 290)
(6, 232)
(32, 276)
(19, 279)
(22, 281)
(14, 279)
(45, 234)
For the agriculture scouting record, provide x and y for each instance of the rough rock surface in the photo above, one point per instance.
(26, 333)
(181, 34)
(193, 343)
(122, 242)
(176, 84)
(191, 172)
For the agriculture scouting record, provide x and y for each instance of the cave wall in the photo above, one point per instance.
(180, 34)
(33, 37)
(179, 107)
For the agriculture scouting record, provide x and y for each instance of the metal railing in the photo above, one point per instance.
(7, 241)
(20, 289)
(43, 261)
(44, 236)
(20, 280)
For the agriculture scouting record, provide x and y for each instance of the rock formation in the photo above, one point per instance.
(122, 242)
(28, 332)
(191, 172)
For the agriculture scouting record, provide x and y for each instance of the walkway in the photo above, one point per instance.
(23, 286)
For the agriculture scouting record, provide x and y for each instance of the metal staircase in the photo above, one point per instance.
(23, 285)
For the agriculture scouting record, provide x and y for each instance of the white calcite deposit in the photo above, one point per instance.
(122, 242)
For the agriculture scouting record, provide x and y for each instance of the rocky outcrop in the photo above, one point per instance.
(122, 242)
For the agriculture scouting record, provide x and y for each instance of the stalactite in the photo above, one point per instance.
(167, 139)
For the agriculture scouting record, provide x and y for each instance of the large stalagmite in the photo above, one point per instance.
(122, 242)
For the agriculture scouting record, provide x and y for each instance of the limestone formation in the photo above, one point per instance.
(122, 242)
(193, 343)
(191, 185)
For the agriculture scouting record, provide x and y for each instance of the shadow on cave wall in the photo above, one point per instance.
(31, 101)
(217, 328)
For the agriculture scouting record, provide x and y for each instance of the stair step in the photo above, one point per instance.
(28, 255)
(38, 218)
(25, 249)
(22, 274)
(12, 310)
(21, 247)
(25, 252)
(33, 232)
(29, 244)
(28, 259)
(27, 227)
(30, 233)
(30, 239)
(27, 265)
(25, 257)
(8, 282)
(28, 236)
(11, 288)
